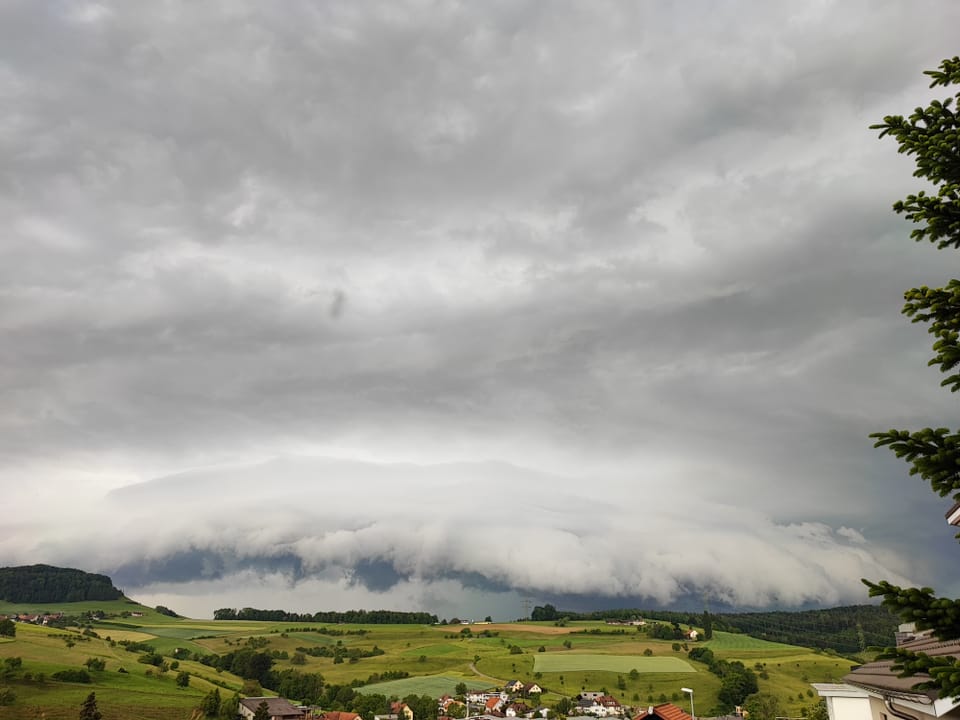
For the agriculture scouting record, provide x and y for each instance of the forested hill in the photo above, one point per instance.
(845, 629)
(848, 629)
(47, 584)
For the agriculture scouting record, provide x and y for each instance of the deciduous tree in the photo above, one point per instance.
(931, 135)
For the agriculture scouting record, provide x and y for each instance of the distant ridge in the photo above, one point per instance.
(48, 584)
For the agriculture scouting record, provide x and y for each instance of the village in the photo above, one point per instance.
(515, 700)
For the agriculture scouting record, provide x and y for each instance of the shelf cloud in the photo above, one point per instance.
(443, 305)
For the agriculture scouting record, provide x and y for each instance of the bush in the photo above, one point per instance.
(77, 676)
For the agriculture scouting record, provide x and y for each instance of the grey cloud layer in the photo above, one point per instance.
(492, 526)
(649, 242)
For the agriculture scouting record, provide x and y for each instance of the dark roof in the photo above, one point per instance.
(276, 706)
(879, 677)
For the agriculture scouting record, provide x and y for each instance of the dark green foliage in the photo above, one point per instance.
(230, 708)
(48, 584)
(424, 707)
(736, 680)
(210, 705)
(96, 663)
(665, 632)
(7, 697)
(164, 610)
(762, 706)
(8, 628)
(262, 712)
(183, 679)
(547, 612)
(932, 136)
(77, 676)
(305, 687)
(155, 659)
(838, 628)
(88, 710)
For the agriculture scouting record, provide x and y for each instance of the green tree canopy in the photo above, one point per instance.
(931, 135)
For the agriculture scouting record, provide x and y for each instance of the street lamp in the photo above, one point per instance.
(692, 713)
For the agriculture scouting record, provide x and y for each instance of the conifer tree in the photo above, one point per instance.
(89, 711)
(932, 136)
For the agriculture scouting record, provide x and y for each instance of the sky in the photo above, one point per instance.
(456, 307)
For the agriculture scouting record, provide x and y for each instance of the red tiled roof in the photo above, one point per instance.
(667, 711)
(339, 715)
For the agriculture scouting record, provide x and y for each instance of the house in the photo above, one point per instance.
(493, 705)
(589, 695)
(517, 710)
(278, 708)
(691, 634)
(338, 715)
(589, 706)
(445, 702)
(530, 688)
(481, 696)
(666, 711)
(610, 704)
(401, 710)
(875, 692)
(513, 686)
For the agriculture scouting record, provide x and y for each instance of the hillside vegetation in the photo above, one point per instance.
(145, 655)
(48, 584)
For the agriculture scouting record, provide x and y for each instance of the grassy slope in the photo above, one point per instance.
(438, 658)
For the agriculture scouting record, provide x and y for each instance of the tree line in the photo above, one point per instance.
(359, 617)
(48, 584)
(849, 629)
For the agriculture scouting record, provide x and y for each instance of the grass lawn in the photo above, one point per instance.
(566, 662)
(432, 685)
(733, 642)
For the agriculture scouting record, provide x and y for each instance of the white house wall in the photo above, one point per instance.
(841, 708)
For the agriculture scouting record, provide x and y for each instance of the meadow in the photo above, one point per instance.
(629, 665)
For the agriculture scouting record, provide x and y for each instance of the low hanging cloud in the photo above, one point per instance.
(372, 527)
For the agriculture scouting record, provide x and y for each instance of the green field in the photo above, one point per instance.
(566, 662)
(724, 641)
(432, 685)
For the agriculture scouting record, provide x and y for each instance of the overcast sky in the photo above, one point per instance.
(441, 306)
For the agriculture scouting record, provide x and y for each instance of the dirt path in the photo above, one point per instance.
(473, 667)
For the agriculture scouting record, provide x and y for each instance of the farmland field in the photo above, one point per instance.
(562, 660)
(566, 662)
(432, 685)
(733, 641)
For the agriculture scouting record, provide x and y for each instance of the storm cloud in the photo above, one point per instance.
(434, 303)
